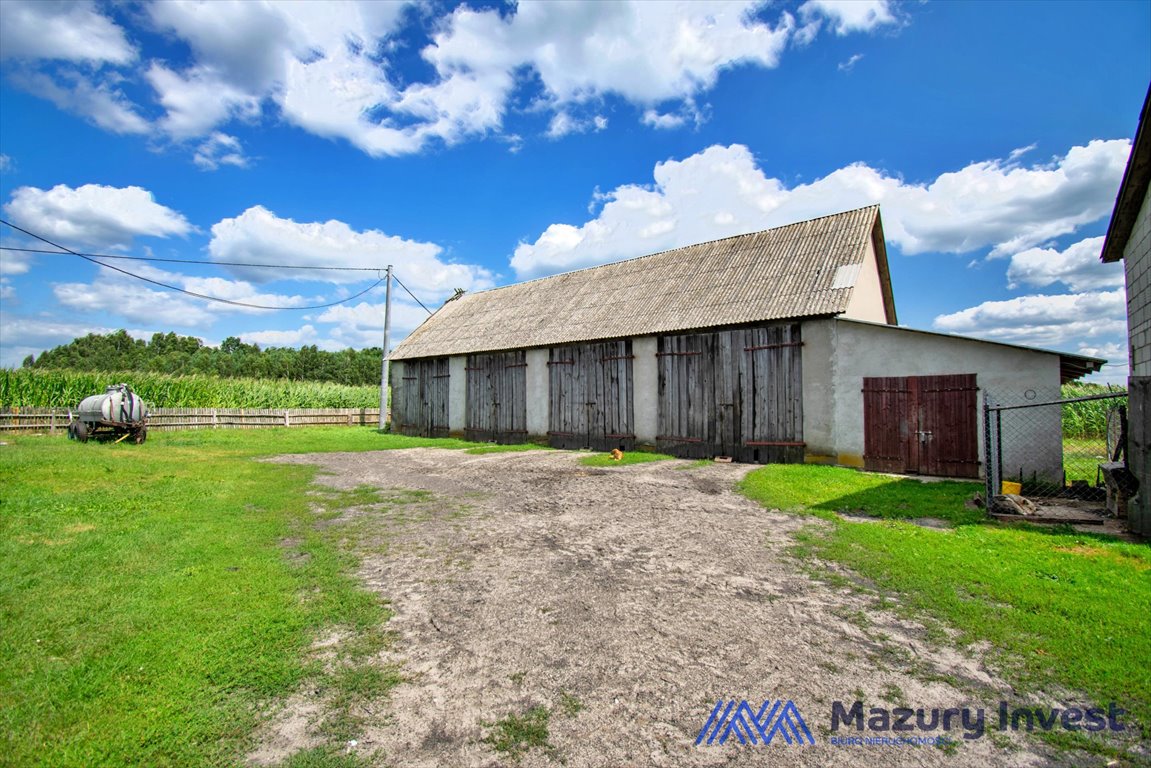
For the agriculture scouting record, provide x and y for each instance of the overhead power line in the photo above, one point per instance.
(184, 290)
(176, 261)
(410, 293)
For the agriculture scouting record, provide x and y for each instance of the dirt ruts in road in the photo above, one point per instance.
(627, 601)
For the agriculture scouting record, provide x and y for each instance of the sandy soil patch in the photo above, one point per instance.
(628, 601)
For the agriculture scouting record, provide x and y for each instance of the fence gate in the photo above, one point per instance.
(735, 393)
(590, 396)
(921, 425)
(497, 397)
(420, 400)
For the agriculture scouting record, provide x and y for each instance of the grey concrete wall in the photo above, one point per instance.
(819, 391)
(1007, 374)
(1137, 263)
(537, 392)
(457, 394)
(645, 388)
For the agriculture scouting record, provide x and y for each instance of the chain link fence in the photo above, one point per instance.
(1055, 448)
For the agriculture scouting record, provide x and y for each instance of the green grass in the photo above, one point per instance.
(324, 757)
(516, 734)
(793, 487)
(1082, 457)
(570, 705)
(629, 457)
(1061, 608)
(154, 598)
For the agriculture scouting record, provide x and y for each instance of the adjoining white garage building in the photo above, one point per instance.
(776, 346)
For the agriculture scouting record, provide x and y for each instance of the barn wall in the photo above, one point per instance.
(819, 391)
(1008, 374)
(645, 378)
(537, 392)
(867, 295)
(1137, 263)
(457, 394)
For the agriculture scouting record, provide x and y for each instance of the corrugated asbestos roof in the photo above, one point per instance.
(781, 273)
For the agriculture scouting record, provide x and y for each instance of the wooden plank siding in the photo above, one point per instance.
(420, 398)
(736, 393)
(590, 396)
(921, 425)
(497, 397)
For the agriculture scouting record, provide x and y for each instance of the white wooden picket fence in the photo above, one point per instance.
(52, 420)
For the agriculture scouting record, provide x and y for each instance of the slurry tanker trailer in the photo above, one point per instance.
(119, 412)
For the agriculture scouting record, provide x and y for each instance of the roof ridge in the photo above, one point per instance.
(672, 250)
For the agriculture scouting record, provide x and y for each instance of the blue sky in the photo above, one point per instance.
(479, 144)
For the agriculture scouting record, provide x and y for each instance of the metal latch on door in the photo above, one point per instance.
(924, 437)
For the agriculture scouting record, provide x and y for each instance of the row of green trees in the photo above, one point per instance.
(186, 355)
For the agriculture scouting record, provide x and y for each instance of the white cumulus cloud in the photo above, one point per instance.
(1054, 321)
(220, 149)
(123, 296)
(1078, 267)
(259, 235)
(305, 334)
(848, 16)
(329, 67)
(93, 215)
(362, 325)
(94, 98)
(68, 31)
(722, 191)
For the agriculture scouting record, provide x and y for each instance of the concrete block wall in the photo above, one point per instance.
(1137, 261)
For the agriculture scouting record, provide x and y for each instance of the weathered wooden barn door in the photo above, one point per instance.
(420, 398)
(496, 397)
(735, 393)
(772, 395)
(921, 425)
(686, 395)
(590, 396)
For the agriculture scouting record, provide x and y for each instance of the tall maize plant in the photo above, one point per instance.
(31, 388)
(1089, 417)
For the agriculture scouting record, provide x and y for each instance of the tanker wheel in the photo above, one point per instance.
(81, 432)
(140, 436)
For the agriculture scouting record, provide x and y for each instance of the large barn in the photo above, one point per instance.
(775, 346)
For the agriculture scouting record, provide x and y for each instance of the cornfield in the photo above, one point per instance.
(1088, 418)
(31, 388)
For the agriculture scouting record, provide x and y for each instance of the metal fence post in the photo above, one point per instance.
(989, 474)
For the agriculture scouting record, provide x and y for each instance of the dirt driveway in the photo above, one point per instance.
(628, 601)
